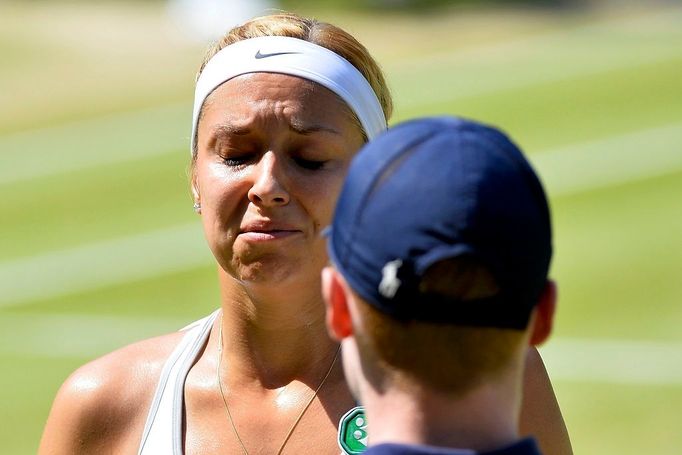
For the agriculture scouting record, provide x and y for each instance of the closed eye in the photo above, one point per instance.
(312, 165)
(239, 160)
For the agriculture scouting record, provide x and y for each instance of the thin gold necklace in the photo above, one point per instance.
(227, 408)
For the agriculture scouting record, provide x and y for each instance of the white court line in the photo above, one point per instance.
(539, 59)
(625, 362)
(617, 159)
(608, 361)
(107, 140)
(140, 134)
(607, 25)
(569, 170)
(110, 262)
(77, 335)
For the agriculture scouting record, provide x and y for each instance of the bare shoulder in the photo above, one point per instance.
(540, 413)
(102, 406)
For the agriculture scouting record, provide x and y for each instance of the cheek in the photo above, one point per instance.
(323, 198)
(213, 178)
(220, 190)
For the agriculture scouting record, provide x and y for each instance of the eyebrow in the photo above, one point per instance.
(305, 130)
(227, 129)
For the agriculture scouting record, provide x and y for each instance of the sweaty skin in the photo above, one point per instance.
(540, 413)
(273, 151)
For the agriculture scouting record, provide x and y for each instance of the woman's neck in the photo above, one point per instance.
(272, 337)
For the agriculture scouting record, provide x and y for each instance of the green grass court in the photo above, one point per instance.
(99, 245)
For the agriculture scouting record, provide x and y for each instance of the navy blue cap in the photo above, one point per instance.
(438, 188)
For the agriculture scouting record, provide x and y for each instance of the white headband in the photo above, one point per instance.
(295, 57)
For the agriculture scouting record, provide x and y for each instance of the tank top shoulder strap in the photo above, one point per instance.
(163, 428)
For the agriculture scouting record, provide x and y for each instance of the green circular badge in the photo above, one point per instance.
(353, 431)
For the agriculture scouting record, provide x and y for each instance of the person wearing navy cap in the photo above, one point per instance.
(440, 249)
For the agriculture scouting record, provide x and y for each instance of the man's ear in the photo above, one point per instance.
(543, 318)
(336, 297)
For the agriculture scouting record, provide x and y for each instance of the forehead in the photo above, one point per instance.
(255, 95)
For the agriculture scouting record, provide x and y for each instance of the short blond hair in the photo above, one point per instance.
(446, 357)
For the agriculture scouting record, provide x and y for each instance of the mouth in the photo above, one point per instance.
(265, 231)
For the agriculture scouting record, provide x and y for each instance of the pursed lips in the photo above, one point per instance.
(267, 230)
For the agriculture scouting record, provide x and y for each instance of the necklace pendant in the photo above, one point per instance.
(353, 438)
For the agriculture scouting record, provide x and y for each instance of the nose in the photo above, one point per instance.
(268, 187)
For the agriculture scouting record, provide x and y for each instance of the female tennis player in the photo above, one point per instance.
(282, 103)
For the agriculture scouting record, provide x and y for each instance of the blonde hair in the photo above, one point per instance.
(446, 357)
(320, 33)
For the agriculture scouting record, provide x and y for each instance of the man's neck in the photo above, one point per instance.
(484, 419)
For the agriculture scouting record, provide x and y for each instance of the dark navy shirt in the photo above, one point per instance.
(526, 446)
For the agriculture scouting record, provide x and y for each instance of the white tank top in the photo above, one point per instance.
(163, 429)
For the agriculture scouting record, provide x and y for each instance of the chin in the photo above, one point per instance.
(273, 272)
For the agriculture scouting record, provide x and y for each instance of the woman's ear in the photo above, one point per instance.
(336, 298)
(194, 183)
(543, 318)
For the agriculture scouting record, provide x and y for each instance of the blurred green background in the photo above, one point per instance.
(99, 245)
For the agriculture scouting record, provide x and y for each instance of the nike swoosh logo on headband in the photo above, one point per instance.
(259, 55)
